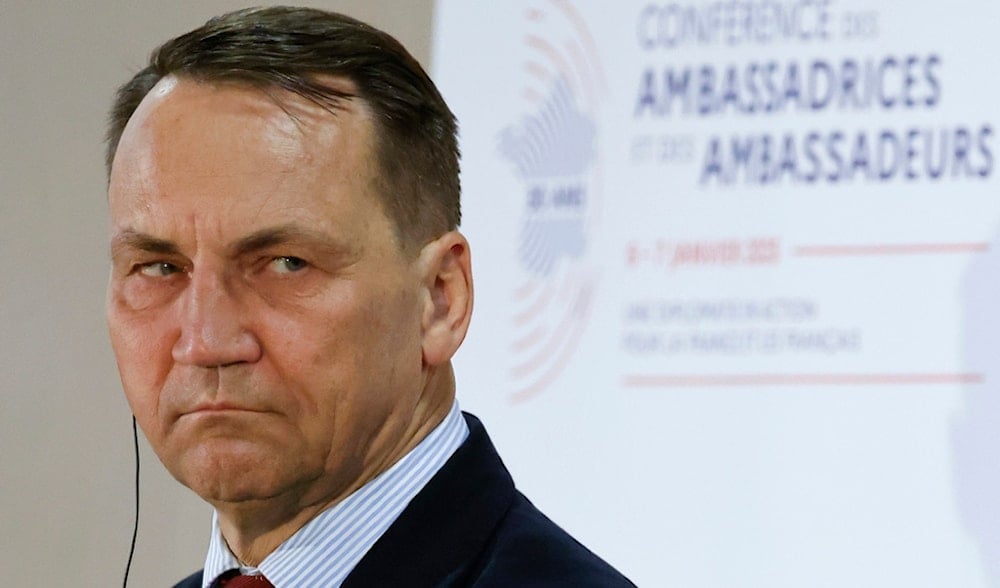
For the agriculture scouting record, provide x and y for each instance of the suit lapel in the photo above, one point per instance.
(440, 533)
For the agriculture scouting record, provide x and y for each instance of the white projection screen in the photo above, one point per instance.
(734, 271)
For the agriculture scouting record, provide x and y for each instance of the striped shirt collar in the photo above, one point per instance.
(327, 548)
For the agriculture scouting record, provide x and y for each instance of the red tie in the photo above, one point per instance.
(233, 579)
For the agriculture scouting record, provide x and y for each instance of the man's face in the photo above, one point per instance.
(266, 324)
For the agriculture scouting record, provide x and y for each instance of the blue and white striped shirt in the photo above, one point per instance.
(324, 551)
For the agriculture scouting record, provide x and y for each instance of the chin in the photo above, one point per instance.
(236, 472)
(224, 487)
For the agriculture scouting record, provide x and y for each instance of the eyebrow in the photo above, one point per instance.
(254, 242)
(273, 236)
(132, 239)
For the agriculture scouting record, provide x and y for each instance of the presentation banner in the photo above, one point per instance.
(735, 269)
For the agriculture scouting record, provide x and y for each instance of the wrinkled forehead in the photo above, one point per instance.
(233, 152)
(179, 109)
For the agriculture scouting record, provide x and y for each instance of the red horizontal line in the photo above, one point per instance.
(705, 380)
(889, 249)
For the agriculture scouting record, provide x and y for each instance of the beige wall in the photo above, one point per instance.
(66, 466)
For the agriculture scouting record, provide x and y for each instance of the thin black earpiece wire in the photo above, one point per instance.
(135, 528)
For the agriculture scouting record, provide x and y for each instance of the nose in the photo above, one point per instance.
(214, 329)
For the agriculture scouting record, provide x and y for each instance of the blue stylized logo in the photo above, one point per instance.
(553, 151)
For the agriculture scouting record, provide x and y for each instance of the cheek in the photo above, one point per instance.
(143, 350)
(333, 353)
(391, 355)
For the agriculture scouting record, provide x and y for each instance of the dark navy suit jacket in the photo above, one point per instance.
(469, 526)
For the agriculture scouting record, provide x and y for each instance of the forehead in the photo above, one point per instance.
(221, 146)
(190, 113)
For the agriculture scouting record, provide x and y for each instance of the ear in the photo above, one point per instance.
(447, 277)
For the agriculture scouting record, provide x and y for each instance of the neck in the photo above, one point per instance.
(253, 529)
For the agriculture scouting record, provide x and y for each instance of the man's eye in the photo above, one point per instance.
(158, 269)
(287, 265)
